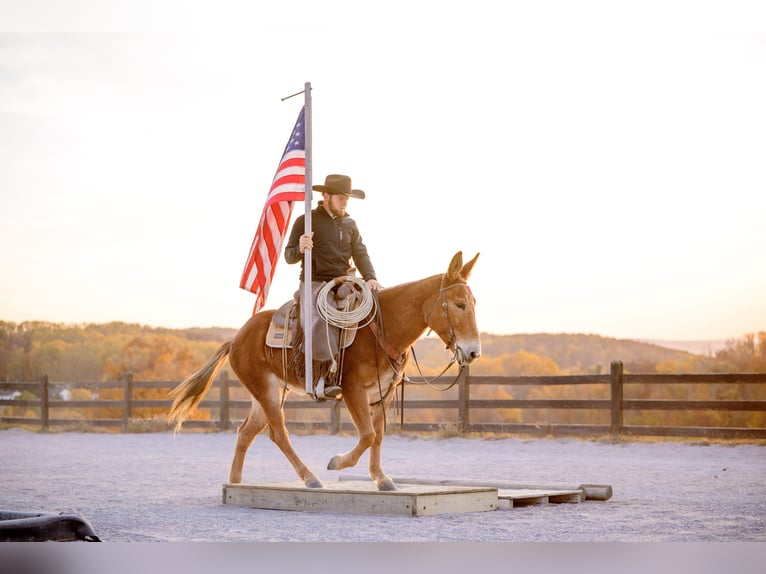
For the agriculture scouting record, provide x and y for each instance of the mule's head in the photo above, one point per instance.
(452, 313)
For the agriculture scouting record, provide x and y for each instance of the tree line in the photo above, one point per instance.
(102, 352)
(106, 352)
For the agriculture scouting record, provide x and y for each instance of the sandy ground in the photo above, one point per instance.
(165, 487)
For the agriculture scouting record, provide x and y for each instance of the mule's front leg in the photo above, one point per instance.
(382, 481)
(356, 404)
(350, 458)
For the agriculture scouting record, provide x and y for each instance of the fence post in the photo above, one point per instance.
(335, 418)
(617, 381)
(127, 412)
(44, 406)
(224, 411)
(463, 400)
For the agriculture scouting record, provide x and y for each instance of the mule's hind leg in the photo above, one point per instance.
(271, 403)
(279, 435)
(257, 369)
(246, 433)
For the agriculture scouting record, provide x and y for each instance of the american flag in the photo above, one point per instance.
(289, 185)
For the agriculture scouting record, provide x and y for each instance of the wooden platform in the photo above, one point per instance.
(416, 496)
(362, 497)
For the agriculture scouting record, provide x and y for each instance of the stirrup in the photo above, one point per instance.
(322, 392)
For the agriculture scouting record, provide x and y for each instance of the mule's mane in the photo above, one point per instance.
(424, 285)
(402, 308)
(418, 283)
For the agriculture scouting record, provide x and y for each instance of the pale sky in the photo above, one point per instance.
(608, 159)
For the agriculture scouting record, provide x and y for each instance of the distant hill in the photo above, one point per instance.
(705, 347)
(571, 353)
(221, 334)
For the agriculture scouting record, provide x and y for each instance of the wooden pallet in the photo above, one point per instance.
(362, 497)
(528, 496)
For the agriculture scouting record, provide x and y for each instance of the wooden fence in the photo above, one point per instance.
(609, 400)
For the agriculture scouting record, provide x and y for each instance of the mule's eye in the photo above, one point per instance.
(460, 306)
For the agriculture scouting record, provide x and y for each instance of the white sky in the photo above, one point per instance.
(608, 159)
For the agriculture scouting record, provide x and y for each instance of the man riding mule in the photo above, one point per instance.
(373, 366)
(334, 242)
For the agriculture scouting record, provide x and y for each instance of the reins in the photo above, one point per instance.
(430, 382)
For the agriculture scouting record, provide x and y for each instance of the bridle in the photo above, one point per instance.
(456, 356)
(445, 310)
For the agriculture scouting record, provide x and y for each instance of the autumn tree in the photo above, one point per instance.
(747, 354)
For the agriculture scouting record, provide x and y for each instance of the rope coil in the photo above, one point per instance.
(345, 318)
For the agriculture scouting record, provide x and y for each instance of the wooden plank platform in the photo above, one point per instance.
(362, 497)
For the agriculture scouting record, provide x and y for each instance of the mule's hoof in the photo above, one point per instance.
(313, 482)
(334, 463)
(387, 485)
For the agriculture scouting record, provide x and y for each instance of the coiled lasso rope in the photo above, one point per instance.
(345, 318)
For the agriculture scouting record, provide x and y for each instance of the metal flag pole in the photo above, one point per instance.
(307, 311)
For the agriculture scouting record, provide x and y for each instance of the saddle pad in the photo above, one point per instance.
(280, 338)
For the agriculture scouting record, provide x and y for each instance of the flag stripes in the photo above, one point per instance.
(289, 185)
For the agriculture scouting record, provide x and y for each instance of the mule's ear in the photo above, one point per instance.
(468, 267)
(453, 273)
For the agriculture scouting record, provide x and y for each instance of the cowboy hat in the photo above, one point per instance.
(339, 185)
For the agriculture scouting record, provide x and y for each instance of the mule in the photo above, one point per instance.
(371, 369)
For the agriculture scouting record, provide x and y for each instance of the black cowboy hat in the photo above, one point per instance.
(339, 185)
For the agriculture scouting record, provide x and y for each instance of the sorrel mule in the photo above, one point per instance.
(371, 369)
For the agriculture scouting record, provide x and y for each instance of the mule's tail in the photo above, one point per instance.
(188, 394)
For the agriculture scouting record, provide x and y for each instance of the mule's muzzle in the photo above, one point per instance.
(466, 355)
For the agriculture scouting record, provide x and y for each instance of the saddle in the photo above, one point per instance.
(285, 329)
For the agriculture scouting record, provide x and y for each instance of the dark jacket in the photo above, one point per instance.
(336, 242)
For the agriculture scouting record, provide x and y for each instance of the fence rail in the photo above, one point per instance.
(461, 412)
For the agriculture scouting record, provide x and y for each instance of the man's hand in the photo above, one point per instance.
(374, 285)
(305, 242)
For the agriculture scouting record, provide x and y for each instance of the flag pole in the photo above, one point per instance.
(307, 298)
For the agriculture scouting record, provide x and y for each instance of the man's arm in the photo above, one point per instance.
(362, 259)
(292, 249)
